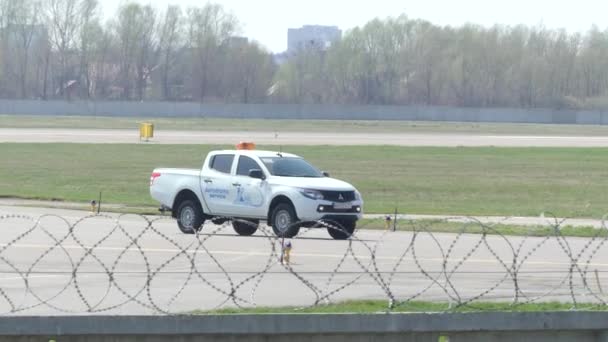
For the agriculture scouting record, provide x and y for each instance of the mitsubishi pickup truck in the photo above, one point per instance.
(247, 186)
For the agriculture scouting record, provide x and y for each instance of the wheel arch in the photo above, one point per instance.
(184, 195)
(278, 200)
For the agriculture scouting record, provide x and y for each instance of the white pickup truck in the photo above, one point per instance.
(248, 186)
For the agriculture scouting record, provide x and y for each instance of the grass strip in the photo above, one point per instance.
(475, 181)
(379, 306)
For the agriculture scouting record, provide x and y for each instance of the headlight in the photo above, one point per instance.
(312, 194)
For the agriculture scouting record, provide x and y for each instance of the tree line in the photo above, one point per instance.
(62, 49)
(399, 61)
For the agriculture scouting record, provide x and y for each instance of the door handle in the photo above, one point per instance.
(208, 181)
(236, 184)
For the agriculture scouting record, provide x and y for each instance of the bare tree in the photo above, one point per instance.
(248, 72)
(22, 32)
(89, 31)
(208, 27)
(103, 72)
(63, 18)
(147, 54)
(128, 30)
(170, 39)
(7, 16)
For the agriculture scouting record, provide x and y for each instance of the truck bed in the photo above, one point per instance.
(168, 182)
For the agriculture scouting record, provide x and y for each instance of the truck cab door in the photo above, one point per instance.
(216, 183)
(251, 193)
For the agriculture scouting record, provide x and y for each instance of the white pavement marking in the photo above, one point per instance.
(23, 135)
(294, 255)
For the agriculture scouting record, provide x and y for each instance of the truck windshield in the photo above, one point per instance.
(290, 167)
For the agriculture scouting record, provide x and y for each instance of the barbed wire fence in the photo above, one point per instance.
(132, 263)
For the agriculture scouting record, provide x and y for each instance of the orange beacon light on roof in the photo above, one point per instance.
(245, 146)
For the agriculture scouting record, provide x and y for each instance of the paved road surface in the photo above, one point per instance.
(296, 138)
(40, 207)
(159, 258)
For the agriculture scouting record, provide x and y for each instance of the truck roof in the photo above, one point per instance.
(257, 153)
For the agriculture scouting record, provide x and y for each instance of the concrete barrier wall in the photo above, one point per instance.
(537, 327)
(278, 111)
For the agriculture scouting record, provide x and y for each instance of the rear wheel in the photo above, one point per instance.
(341, 230)
(190, 217)
(284, 221)
(245, 227)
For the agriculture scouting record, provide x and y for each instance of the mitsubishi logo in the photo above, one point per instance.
(340, 197)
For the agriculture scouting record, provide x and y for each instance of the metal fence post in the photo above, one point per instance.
(99, 204)
(395, 221)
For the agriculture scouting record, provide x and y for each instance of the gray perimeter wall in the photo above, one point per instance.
(277, 111)
(472, 327)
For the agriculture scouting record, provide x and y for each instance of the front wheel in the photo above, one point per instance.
(341, 230)
(245, 227)
(284, 221)
(190, 217)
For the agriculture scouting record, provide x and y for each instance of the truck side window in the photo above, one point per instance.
(246, 164)
(222, 163)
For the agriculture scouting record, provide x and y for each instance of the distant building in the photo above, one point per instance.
(321, 37)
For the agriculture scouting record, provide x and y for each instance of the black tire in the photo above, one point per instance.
(245, 227)
(219, 220)
(190, 217)
(341, 230)
(284, 221)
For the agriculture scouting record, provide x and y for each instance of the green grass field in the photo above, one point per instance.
(451, 181)
(377, 306)
(369, 126)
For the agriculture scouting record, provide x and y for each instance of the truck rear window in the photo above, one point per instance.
(222, 162)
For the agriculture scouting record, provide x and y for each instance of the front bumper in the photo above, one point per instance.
(334, 209)
(310, 210)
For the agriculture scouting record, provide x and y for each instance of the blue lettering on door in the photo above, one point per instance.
(217, 193)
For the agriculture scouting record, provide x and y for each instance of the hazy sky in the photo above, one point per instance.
(267, 20)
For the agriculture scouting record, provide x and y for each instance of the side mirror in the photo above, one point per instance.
(325, 173)
(257, 174)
